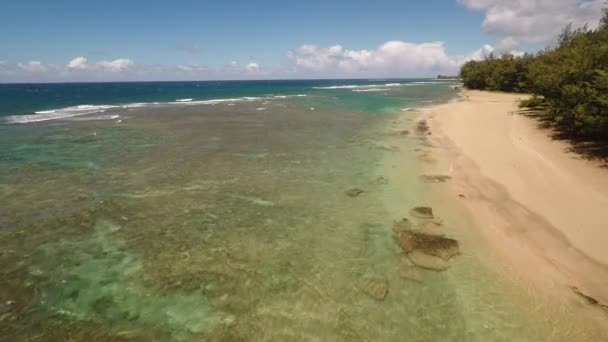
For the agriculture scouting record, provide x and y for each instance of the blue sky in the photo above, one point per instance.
(130, 40)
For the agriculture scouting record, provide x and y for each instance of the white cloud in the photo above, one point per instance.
(534, 21)
(481, 53)
(32, 67)
(393, 58)
(116, 65)
(192, 68)
(252, 67)
(78, 63)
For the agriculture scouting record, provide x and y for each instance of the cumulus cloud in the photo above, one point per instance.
(252, 67)
(78, 63)
(393, 58)
(534, 21)
(117, 65)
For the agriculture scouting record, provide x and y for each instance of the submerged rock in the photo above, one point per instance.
(429, 262)
(430, 244)
(431, 228)
(354, 192)
(376, 288)
(381, 180)
(422, 212)
(402, 225)
(422, 126)
(435, 178)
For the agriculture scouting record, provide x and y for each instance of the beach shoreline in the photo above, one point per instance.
(537, 205)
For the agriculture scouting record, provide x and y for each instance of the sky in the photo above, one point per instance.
(67, 41)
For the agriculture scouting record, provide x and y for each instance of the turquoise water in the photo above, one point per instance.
(373, 95)
(230, 220)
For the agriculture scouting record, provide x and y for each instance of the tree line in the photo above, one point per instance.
(568, 81)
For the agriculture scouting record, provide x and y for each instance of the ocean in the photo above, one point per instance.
(236, 211)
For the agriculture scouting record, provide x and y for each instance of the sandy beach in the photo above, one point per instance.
(541, 207)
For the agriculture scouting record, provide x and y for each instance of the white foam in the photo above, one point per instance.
(429, 82)
(339, 87)
(68, 112)
(54, 114)
(261, 109)
(362, 86)
(370, 90)
(136, 105)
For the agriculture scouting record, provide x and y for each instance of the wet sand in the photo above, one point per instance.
(539, 206)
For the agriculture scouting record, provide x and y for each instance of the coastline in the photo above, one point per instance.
(536, 205)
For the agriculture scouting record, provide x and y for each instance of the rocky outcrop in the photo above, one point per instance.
(422, 212)
(354, 192)
(428, 262)
(435, 178)
(376, 288)
(435, 245)
(425, 244)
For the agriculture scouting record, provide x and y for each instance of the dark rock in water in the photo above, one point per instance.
(422, 126)
(405, 240)
(381, 180)
(422, 212)
(406, 132)
(402, 225)
(461, 195)
(426, 241)
(376, 288)
(435, 178)
(431, 228)
(429, 244)
(429, 262)
(354, 192)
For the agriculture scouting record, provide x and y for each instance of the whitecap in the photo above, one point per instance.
(57, 113)
(67, 112)
(370, 90)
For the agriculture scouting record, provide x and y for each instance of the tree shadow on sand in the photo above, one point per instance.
(592, 150)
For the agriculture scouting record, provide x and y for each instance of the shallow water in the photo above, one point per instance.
(231, 223)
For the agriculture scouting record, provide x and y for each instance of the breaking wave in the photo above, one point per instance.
(68, 112)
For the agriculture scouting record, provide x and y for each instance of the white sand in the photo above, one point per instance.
(544, 208)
